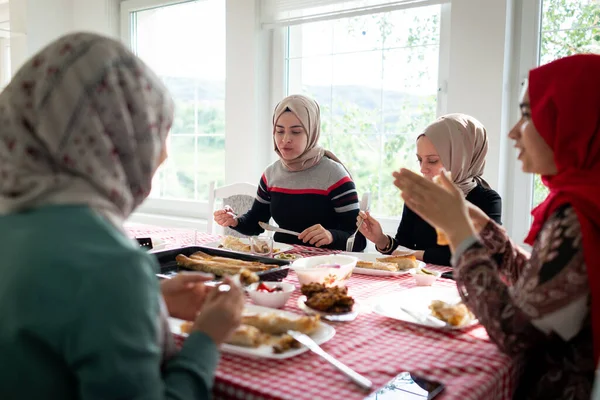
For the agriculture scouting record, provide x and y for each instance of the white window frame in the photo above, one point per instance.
(279, 82)
(518, 203)
(157, 206)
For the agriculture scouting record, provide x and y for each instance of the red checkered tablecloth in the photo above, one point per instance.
(466, 362)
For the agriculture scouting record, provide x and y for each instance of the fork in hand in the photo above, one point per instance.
(364, 206)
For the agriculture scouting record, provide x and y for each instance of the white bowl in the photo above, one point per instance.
(271, 299)
(309, 269)
(425, 279)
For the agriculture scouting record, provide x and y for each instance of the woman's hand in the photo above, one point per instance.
(478, 217)
(441, 206)
(316, 235)
(185, 294)
(222, 312)
(226, 217)
(371, 229)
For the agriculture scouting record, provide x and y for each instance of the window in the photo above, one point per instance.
(184, 43)
(568, 27)
(375, 77)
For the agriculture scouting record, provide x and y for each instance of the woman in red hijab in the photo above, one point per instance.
(544, 306)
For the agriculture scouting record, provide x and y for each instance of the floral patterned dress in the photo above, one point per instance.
(535, 305)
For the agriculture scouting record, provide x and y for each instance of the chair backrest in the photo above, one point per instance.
(238, 196)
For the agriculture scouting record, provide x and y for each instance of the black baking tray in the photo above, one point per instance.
(168, 265)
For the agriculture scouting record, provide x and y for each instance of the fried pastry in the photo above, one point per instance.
(403, 263)
(453, 314)
(276, 324)
(383, 266)
(235, 244)
(333, 299)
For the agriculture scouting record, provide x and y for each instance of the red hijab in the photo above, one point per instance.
(565, 108)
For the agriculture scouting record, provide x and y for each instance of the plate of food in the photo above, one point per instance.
(262, 333)
(432, 306)
(330, 302)
(287, 256)
(243, 245)
(381, 265)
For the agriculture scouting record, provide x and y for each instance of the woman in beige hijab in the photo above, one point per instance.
(456, 143)
(308, 190)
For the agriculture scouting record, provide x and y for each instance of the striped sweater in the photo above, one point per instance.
(323, 194)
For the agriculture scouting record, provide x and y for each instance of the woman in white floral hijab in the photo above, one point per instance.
(83, 130)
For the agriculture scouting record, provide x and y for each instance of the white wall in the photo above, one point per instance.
(42, 21)
(480, 78)
(477, 70)
(247, 116)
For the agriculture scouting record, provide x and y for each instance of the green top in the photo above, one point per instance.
(79, 315)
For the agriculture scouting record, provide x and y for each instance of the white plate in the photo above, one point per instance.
(417, 300)
(376, 272)
(336, 317)
(281, 247)
(323, 334)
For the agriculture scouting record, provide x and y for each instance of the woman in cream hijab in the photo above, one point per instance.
(308, 190)
(457, 143)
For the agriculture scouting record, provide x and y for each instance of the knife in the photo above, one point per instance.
(272, 228)
(357, 378)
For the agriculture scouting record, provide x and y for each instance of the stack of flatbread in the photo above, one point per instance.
(390, 263)
(219, 266)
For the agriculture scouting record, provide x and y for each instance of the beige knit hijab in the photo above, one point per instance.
(461, 141)
(308, 112)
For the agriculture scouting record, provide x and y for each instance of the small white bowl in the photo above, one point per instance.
(425, 279)
(309, 269)
(271, 299)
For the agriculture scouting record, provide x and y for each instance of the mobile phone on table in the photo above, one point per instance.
(407, 386)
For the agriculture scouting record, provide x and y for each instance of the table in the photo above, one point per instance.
(466, 361)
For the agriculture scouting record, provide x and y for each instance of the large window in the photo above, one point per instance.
(376, 79)
(184, 43)
(568, 27)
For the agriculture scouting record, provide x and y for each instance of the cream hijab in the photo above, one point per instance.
(462, 143)
(308, 112)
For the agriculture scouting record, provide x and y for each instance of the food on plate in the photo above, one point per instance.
(186, 327)
(453, 314)
(277, 324)
(247, 336)
(260, 246)
(384, 266)
(244, 335)
(235, 244)
(403, 263)
(442, 239)
(219, 266)
(247, 277)
(285, 343)
(287, 256)
(333, 299)
(423, 271)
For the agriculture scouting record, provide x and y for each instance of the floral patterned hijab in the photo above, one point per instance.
(83, 122)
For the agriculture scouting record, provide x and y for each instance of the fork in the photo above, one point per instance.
(364, 206)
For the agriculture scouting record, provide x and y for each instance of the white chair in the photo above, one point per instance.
(238, 196)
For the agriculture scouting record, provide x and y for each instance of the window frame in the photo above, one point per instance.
(279, 79)
(526, 56)
(178, 208)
